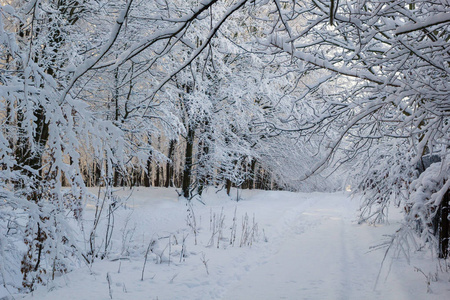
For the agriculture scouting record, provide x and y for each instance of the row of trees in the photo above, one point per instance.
(263, 93)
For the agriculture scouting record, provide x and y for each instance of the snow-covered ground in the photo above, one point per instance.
(298, 246)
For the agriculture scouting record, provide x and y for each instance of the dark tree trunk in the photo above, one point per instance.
(115, 100)
(169, 165)
(158, 168)
(23, 153)
(187, 172)
(228, 186)
(245, 183)
(97, 174)
(148, 173)
(252, 174)
(202, 173)
(117, 177)
(444, 224)
(158, 177)
(258, 178)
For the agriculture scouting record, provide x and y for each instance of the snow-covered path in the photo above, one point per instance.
(324, 255)
(309, 247)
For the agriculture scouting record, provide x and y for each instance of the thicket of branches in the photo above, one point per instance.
(256, 94)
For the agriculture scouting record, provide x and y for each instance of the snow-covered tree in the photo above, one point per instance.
(43, 130)
(383, 98)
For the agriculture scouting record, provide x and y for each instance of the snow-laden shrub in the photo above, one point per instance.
(427, 206)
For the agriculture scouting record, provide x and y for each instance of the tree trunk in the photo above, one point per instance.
(187, 172)
(258, 178)
(115, 100)
(443, 231)
(97, 174)
(158, 177)
(252, 174)
(158, 169)
(117, 177)
(228, 186)
(148, 173)
(202, 173)
(169, 165)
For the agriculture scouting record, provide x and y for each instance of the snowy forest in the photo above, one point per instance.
(216, 97)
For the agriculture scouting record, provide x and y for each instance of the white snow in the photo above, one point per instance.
(308, 246)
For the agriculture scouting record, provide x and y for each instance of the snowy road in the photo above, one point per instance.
(309, 247)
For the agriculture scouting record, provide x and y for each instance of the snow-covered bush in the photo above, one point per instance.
(428, 207)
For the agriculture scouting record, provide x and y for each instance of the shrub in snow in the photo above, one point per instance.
(428, 207)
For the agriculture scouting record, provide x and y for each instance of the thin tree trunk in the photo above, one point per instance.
(116, 119)
(228, 186)
(187, 172)
(259, 178)
(169, 165)
(444, 233)
(158, 177)
(148, 173)
(252, 174)
(202, 173)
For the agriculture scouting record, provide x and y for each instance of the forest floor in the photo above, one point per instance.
(286, 246)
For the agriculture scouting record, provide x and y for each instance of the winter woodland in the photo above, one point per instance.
(291, 95)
